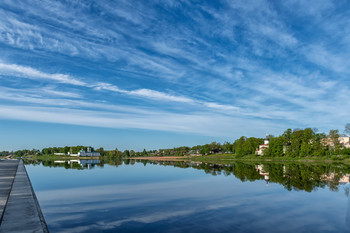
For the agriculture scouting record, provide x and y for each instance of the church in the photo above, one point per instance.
(262, 147)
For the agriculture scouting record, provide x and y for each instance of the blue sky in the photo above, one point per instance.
(156, 74)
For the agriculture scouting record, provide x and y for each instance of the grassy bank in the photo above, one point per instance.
(227, 158)
(217, 158)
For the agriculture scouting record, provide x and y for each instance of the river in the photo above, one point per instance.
(129, 196)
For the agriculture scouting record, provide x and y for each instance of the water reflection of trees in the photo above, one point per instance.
(293, 176)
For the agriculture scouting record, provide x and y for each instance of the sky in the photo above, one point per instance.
(158, 74)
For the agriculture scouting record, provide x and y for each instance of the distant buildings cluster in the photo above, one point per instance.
(344, 141)
(82, 153)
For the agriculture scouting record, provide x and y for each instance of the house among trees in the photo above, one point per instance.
(262, 147)
(59, 153)
(88, 153)
(341, 140)
(344, 140)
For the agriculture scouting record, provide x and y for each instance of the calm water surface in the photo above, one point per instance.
(192, 198)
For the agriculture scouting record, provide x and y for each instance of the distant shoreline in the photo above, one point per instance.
(161, 158)
(217, 158)
(57, 157)
(224, 159)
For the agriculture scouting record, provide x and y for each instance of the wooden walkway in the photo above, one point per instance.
(19, 208)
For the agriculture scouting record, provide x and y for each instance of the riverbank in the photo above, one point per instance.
(162, 158)
(223, 159)
(56, 157)
(229, 158)
(217, 158)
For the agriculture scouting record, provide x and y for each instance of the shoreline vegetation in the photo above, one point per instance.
(225, 159)
(301, 145)
(211, 159)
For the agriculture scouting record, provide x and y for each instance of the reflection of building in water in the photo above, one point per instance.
(345, 179)
(262, 147)
(195, 164)
(262, 172)
(59, 161)
(89, 163)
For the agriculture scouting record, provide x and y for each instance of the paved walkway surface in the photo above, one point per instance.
(22, 212)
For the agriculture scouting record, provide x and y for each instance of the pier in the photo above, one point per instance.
(19, 207)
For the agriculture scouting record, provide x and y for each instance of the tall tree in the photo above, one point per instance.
(334, 137)
(347, 128)
(126, 153)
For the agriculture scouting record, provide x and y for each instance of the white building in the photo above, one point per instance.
(344, 140)
(59, 153)
(88, 153)
(262, 147)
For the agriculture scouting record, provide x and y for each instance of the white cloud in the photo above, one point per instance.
(160, 96)
(221, 106)
(202, 123)
(320, 55)
(53, 92)
(199, 62)
(28, 72)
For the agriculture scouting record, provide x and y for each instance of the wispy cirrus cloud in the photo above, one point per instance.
(268, 61)
(29, 72)
(215, 124)
(308, 99)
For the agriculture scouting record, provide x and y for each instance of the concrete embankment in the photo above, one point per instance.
(20, 210)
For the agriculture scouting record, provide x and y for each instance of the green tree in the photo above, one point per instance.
(347, 128)
(102, 151)
(126, 153)
(275, 147)
(334, 138)
(144, 152)
(239, 146)
(227, 147)
(205, 150)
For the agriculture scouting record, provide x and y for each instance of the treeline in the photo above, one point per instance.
(306, 142)
(19, 153)
(65, 150)
(101, 150)
(292, 143)
(242, 146)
